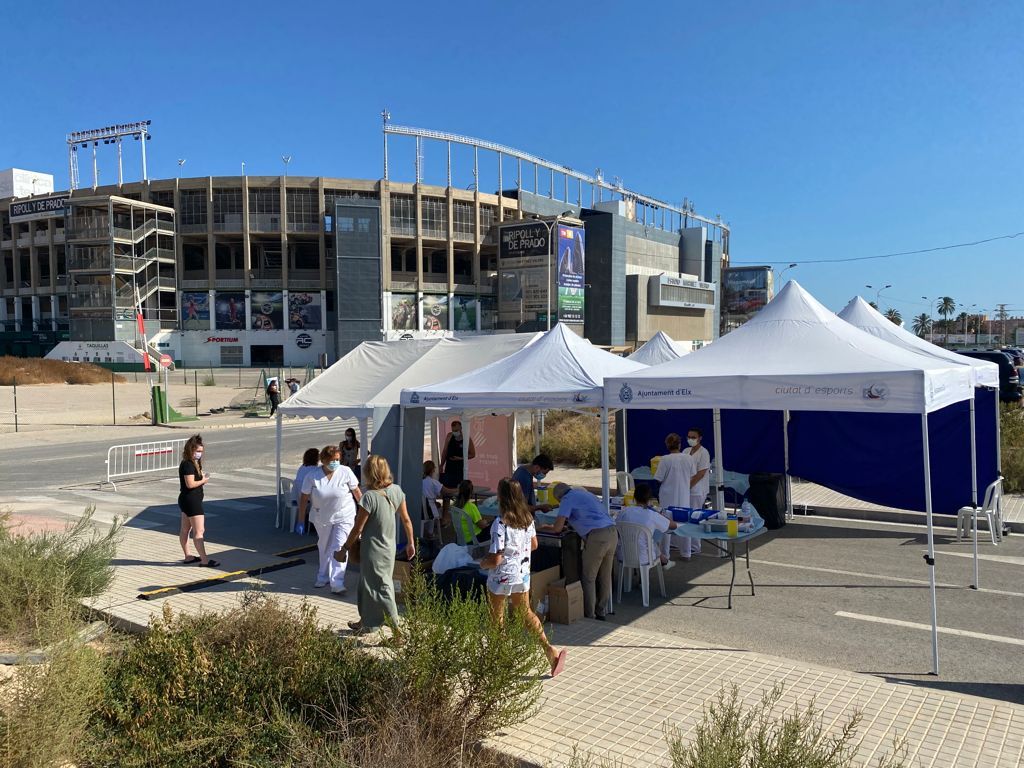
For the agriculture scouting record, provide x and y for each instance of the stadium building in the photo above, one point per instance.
(265, 270)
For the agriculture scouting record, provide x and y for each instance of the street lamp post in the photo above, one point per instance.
(181, 162)
(286, 159)
(784, 271)
(551, 226)
(929, 303)
(878, 293)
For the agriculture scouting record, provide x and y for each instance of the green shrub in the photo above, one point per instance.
(43, 575)
(1011, 439)
(569, 438)
(45, 709)
(212, 690)
(733, 736)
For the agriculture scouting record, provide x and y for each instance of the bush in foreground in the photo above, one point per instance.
(1011, 438)
(44, 575)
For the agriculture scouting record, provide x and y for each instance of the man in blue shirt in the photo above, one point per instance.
(527, 473)
(587, 516)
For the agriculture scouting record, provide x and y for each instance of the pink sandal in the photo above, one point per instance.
(559, 664)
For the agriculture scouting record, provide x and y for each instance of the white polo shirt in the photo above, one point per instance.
(649, 519)
(330, 498)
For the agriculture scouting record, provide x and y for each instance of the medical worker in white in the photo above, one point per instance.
(675, 471)
(700, 483)
(642, 513)
(333, 493)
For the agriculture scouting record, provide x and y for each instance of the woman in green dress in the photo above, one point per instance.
(374, 533)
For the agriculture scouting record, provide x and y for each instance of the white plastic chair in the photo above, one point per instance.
(284, 500)
(630, 536)
(991, 508)
(625, 482)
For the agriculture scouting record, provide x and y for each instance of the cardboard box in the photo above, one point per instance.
(403, 572)
(539, 583)
(565, 602)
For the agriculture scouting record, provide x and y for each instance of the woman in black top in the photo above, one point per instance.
(452, 470)
(274, 394)
(190, 501)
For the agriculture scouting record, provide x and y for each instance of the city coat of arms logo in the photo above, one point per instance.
(625, 394)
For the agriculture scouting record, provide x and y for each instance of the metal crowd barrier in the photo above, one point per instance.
(140, 458)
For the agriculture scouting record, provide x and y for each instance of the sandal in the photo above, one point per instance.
(210, 564)
(356, 627)
(191, 559)
(559, 665)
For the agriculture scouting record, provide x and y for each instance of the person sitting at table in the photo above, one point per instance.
(674, 473)
(525, 474)
(474, 525)
(642, 513)
(587, 516)
(432, 490)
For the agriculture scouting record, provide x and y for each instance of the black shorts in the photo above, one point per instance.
(190, 505)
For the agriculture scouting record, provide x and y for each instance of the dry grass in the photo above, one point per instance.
(569, 438)
(36, 370)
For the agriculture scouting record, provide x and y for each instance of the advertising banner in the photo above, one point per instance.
(435, 313)
(304, 311)
(465, 313)
(403, 312)
(267, 310)
(229, 310)
(745, 289)
(492, 439)
(47, 207)
(571, 271)
(195, 311)
(522, 241)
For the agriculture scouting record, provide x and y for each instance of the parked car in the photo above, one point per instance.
(1017, 355)
(1009, 379)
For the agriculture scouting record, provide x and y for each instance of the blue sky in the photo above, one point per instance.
(820, 130)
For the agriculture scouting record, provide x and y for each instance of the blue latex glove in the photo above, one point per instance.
(300, 528)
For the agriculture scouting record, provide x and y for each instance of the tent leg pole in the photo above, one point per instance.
(604, 460)
(930, 557)
(364, 437)
(277, 448)
(625, 443)
(719, 462)
(974, 496)
(536, 433)
(789, 480)
(401, 444)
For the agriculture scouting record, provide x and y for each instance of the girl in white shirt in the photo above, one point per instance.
(333, 492)
(513, 539)
(432, 490)
(675, 471)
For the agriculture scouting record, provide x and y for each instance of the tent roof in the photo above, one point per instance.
(559, 370)
(374, 373)
(861, 314)
(659, 349)
(796, 355)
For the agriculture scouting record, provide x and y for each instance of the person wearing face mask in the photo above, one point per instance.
(525, 474)
(333, 493)
(675, 470)
(452, 470)
(700, 483)
(191, 480)
(350, 451)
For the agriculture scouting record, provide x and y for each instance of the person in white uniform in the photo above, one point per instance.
(700, 483)
(675, 471)
(333, 493)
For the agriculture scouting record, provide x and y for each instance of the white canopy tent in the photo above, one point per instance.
(983, 374)
(659, 349)
(560, 370)
(371, 377)
(797, 355)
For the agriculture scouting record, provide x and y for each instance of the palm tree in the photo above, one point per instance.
(961, 322)
(873, 305)
(922, 324)
(893, 315)
(946, 307)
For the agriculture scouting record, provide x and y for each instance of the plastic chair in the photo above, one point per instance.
(426, 516)
(625, 482)
(458, 515)
(630, 536)
(284, 498)
(992, 508)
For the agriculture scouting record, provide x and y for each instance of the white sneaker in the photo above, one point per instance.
(319, 584)
(667, 566)
(339, 591)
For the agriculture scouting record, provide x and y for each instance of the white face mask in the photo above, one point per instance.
(692, 441)
(198, 455)
(457, 433)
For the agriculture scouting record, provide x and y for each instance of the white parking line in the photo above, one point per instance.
(928, 627)
(880, 577)
(1007, 559)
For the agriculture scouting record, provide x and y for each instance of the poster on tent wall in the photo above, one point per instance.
(492, 438)
(571, 268)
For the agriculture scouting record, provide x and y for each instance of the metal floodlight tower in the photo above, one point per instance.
(111, 134)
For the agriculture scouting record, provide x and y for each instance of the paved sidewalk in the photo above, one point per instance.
(622, 686)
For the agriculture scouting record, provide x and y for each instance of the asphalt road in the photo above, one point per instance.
(843, 594)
